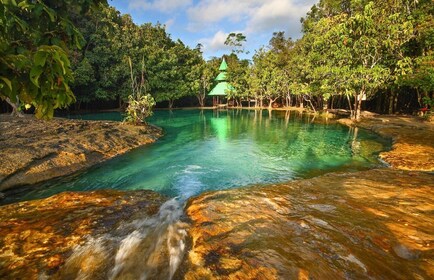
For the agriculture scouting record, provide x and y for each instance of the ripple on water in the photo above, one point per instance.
(232, 149)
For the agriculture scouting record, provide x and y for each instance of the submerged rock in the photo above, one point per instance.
(38, 237)
(33, 151)
(375, 224)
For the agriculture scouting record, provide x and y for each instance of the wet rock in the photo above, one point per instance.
(37, 237)
(413, 145)
(406, 253)
(33, 151)
(300, 230)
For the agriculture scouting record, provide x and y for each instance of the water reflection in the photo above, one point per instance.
(219, 149)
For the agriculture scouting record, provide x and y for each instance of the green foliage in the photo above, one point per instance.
(139, 108)
(349, 48)
(236, 40)
(428, 102)
(34, 64)
(237, 75)
(140, 103)
(172, 69)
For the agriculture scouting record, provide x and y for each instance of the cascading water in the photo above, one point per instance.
(146, 248)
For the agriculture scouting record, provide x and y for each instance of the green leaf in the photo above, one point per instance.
(35, 73)
(7, 82)
(40, 58)
(51, 13)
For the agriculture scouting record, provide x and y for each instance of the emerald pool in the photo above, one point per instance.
(206, 150)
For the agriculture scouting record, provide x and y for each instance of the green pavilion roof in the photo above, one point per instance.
(223, 66)
(221, 88)
(221, 77)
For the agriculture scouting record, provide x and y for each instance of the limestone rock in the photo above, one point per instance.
(33, 151)
(38, 236)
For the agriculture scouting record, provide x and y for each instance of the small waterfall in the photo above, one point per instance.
(147, 248)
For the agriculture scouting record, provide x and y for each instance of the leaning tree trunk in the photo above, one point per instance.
(270, 103)
(350, 107)
(15, 107)
(170, 103)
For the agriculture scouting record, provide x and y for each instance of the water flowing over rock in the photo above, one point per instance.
(33, 151)
(375, 224)
(89, 235)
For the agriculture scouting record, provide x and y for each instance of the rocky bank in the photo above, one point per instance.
(375, 224)
(32, 151)
(413, 140)
(37, 237)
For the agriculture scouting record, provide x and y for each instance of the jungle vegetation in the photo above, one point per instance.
(354, 54)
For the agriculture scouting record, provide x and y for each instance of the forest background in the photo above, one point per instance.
(353, 55)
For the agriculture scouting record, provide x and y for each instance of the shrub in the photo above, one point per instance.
(139, 108)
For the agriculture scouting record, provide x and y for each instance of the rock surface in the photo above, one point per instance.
(376, 224)
(37, 237)
(33, 151)
(413, 140)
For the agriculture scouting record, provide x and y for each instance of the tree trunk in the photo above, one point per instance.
(395, 102)
(357, 106)
(15, 106)
(351, 108)
(120, 103)
(170, 103)
(201, 99)
(325, 105)
(391, 100)
(288, 100)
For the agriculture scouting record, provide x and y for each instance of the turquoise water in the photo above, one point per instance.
(209, 150)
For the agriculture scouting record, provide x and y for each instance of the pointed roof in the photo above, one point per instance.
(222, 88)
(221, 77)
(223, 66)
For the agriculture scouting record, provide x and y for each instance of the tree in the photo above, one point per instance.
(140, 102)
(237, 77)
(236, 41)
(35, 38)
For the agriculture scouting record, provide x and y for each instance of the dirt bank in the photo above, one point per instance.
(33, 151)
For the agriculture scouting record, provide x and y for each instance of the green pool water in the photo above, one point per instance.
(212, 150)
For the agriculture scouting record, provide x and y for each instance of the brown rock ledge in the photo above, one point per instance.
(413, 140)
(375, 224)
(32, 151)
(37, 237)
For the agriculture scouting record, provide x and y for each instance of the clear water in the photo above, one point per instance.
(211, 150)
